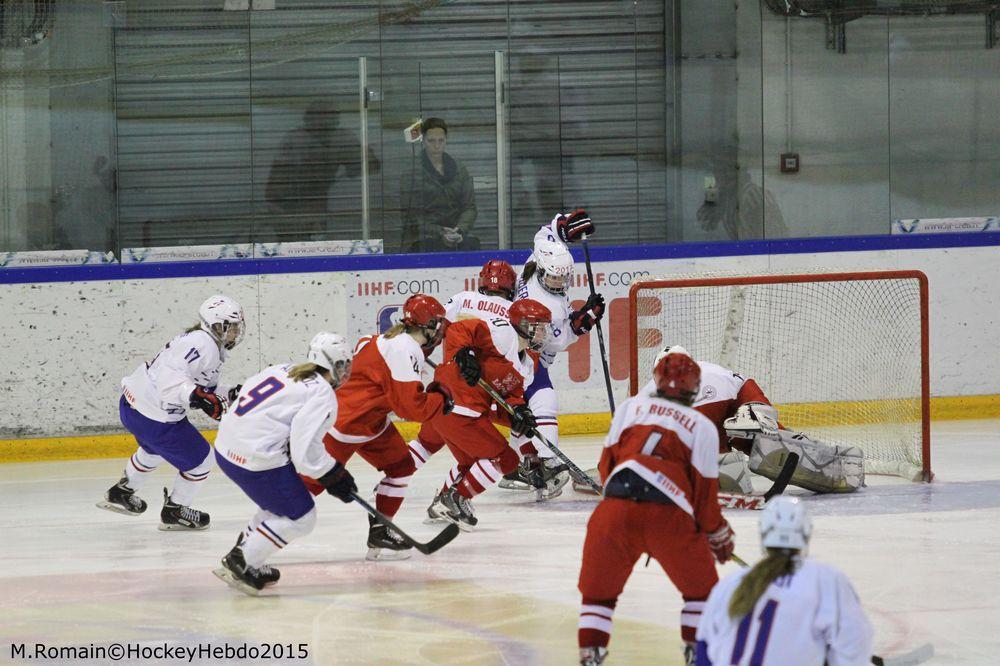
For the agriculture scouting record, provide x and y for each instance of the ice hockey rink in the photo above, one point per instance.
(920, 556)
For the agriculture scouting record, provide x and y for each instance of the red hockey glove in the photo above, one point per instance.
(339, 483)
(582, 320)
(572, 226)
(208, 402)
(522, 422)
(721, 542)
(468, 365)
(449, 402)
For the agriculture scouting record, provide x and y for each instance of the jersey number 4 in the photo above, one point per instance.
(766, 619)
(257, 395)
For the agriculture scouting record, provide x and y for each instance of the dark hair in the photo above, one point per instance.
(433, 123)
(529, 270)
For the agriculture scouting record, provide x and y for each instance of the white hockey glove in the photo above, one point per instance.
(751, 419)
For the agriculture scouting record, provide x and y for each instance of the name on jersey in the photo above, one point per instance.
(485, 306)
(684, 420)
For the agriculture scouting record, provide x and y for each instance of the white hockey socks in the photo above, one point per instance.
(274, 533)
(187, 484)
(140, 467)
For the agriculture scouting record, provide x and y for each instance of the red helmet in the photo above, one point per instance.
(531, 320)
(677, 377)
(427, 313)
(497, 275)
(422, 310)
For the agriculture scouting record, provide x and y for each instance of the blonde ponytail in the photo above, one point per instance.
(394, 331)
(303, 371)
(779, 562)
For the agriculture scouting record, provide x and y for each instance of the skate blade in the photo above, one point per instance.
(114, 508)
(513, 485)
(170, 527)
(386, 555)
(435, 521)
(227, 577)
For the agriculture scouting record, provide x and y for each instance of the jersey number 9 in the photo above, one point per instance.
(258, 394)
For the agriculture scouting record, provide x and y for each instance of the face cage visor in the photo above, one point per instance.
(552, 283)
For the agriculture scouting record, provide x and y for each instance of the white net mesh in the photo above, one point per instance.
(842, 358)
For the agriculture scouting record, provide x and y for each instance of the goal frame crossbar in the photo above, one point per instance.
(775, 278)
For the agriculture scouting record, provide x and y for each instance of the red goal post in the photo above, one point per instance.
(844, 356)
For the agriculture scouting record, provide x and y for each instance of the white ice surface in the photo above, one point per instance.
(922, 557)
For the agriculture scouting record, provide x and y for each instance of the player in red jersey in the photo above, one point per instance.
(496, 351)
(659, 468)
(752, 439)
(386, 377)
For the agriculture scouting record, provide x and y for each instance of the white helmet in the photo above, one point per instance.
(554, 266)
(785, 524)
(669, 349)
(331, 351)
(222, 318)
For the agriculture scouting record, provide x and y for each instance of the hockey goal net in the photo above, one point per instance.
(844, 356)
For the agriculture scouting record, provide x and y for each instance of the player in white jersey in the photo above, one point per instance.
(154, 406)
(273, 434)
(546, 278)
(786, 609)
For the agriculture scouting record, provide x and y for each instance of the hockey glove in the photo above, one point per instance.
(339, 483)
(522, 422)
(572, 226)
(234, 393)
(582, 320)
(468, 365)
(449, 402)
(208, 402)
(721, 542)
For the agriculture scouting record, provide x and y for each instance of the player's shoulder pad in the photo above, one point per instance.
(208, 349)
(404, 357)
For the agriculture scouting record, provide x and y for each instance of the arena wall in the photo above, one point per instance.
(71, 333)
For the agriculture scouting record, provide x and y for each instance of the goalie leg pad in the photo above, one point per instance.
(822, 468)
(734, 473)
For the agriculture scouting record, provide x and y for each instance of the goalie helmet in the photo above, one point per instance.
(677, 377)
(553, 266)
(331, 351)
(426, 313)
(669, 349)
(531, 320)
(222, 318)
(497, 275)
(785, 524)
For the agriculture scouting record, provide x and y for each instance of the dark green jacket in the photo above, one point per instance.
(429, 200)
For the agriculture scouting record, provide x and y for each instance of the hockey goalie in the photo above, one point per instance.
(752, 440)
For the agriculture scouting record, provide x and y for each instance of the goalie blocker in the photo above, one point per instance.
(822, 468)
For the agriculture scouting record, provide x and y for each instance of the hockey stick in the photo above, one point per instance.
(911, 658)
(443, 538)
(574, 471)
(600, 331)
(757, 502)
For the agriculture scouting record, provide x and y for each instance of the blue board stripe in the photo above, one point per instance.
(278, 265)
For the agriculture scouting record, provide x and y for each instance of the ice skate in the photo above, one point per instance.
(177, 517)
(554, 475)
(593, 656)
(384, 543)
(519, 479)
(237, 575)
(453, 508)
(270, 575)
(122, 499)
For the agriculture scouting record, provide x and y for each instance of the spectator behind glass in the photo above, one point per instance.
(307, 165)
(437, 199)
